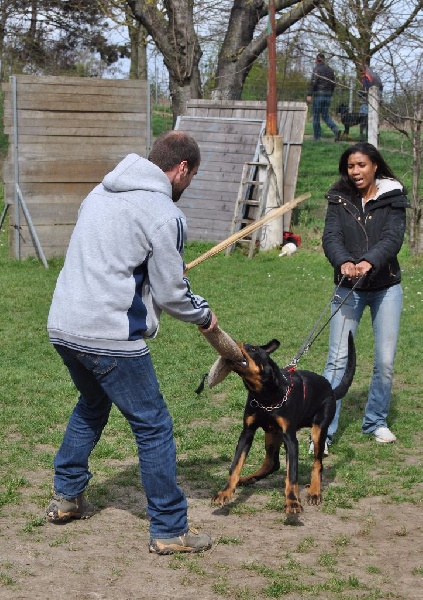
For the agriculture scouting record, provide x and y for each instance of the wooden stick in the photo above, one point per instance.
(277, 212)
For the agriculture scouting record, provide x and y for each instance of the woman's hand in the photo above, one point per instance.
(353, 271)
(348, 269)
(362, 268)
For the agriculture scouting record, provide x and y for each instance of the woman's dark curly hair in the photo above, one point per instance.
(383, 171)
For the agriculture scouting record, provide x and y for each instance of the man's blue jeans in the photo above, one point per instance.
(131, 384)
(321, 104)
(385, 309)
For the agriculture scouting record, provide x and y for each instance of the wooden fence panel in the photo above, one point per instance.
(69, 133)
(209, 202)
(225, 145)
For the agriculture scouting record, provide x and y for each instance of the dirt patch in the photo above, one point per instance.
(373, 550)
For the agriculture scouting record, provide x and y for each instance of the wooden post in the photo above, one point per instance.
(272, 232)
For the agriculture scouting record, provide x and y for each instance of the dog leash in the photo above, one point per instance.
(310, 339)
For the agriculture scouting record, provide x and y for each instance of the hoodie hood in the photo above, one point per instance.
(383, 185)
(387, 185)
(137, 173)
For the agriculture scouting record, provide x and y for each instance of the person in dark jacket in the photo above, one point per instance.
(320, 92)
(364, 231)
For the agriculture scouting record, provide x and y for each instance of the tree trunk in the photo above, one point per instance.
(240, 48)
(174, 34)
(138, 39)
(232, 67)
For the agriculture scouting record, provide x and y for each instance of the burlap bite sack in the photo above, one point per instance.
(224, 344)
(220, 369)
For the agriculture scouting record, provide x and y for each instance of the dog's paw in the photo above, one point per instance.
(293, 507)
(314, 499)
(247, 480)
(221, 498)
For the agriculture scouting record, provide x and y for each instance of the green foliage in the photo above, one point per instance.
(57, 38)
(161, 119)
(291, 84)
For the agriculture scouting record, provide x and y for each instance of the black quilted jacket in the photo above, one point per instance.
(322, 80)
(374, 234)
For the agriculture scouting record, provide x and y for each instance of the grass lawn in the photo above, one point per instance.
(255, 301)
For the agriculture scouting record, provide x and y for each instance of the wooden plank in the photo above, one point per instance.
(27, 118)
(219, 212)
(54, 193)
(92, 103)
(68, 148)
(53, 238)
(203, 185)
(208, 232)
(76, 82)
(92, 141)
(118, 131)
(215, 205)
(61, 170)
(78, 86)
(46, 214)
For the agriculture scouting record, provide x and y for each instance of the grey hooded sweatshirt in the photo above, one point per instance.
(124, 265)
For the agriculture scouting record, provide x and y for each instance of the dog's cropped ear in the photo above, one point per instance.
(271, 346)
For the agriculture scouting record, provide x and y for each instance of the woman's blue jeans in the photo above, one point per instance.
(385, 310)
(131, 384)
(321, 105)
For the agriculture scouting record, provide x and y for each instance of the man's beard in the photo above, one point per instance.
(176, 194)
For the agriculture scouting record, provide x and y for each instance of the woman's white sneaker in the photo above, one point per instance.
(384, 435)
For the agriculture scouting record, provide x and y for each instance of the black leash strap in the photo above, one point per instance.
(312, 336)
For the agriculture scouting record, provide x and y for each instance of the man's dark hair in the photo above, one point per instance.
(173, 147)
(320, 57)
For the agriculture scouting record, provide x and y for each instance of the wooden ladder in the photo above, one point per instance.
(251, 202)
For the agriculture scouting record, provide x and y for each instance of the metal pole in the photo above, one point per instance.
(271, 112)
(3, 215)
(31, 226)
(16, 168)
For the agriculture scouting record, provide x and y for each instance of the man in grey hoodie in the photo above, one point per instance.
(124, 265)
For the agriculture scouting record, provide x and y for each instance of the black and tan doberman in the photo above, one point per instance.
(282, 401)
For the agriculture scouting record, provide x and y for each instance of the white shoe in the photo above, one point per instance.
(325, 451)
(384, 435)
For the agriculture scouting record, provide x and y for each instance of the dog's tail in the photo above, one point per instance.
(344, 385)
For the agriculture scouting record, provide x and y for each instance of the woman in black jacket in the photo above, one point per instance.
(364, 231)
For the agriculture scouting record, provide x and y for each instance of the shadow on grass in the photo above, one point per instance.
(201, 477)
